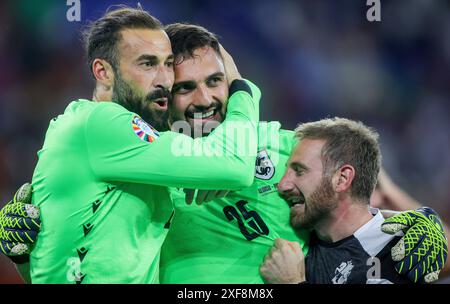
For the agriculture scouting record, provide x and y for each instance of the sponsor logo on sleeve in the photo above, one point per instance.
(143, 130)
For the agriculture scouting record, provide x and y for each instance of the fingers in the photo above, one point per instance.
(201, 194)
(432, 277)
(21, 223)
(434, 270)
(412, 275)
(22, 210)
(410, 248)
(24, 194)
(21, 236)
(222, 193)
(400, 222)
(422, 255)
(286, 247)
(417, 267)
(398, 251)
(411, 257)
(279, 243)
(189, 198)
(295, 246)
(13, 248)
(215, 194)
(392, 227)
(211, 195)
(282, 264)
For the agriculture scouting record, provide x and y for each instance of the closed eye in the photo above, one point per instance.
(299, 169)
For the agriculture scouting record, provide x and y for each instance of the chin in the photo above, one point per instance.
(295, 220)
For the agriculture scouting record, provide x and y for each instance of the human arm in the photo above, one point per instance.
(224, 158)
(284, 264)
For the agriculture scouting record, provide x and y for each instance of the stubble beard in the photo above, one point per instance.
(317, 207)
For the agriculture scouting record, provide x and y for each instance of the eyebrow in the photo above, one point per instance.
(217, 74)
(153, 58)
(298, 164)
(176, 86)
(192, 83)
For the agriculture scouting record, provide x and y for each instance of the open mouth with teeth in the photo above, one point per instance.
(294, 200)
(202, 115)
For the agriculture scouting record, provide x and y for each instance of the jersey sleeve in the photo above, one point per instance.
(287, 139)
(122, 149)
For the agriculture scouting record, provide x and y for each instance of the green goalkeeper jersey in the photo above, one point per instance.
(224, 241)
(101, 184)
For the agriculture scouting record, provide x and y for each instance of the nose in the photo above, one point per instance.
(202, 98)
(285, 186)
(164, 77)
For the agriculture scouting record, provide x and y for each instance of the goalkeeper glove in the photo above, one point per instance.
(422, 251)
(19, 225)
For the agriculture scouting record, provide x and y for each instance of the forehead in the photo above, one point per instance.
(204, 62)
(308, 152)
(135, 42)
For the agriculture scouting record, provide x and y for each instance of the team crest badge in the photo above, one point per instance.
(143, 130)
(264, 168)
(342, 273)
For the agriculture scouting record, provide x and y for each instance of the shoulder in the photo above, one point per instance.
(370, 236)
(81, 109)
(107, 114)
(268, 130)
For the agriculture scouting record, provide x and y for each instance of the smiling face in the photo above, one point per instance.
(307, 190)
(145, 75)
(200, 90)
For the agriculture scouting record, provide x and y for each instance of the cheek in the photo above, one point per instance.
(221, 93)
(139, 81)
(171, 76)
(144, 80)
(180, 104)
(307, 184)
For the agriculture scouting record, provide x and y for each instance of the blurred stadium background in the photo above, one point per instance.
(311, 58)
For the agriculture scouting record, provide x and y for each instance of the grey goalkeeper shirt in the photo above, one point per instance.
(362, 258)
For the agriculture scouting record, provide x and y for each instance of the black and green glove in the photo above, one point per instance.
(422, 251)
(19, 225)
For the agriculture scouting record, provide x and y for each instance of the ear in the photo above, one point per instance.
(343, 178)
(103, 73)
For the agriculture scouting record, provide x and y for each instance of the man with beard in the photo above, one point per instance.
(227, 238)
(330, 177)
(102, 175)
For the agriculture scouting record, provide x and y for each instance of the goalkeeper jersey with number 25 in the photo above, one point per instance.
(101, 184)
(225, 240)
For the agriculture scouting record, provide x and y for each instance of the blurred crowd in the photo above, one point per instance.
(311, 58)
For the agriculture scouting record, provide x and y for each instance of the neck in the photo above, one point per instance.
(101, 95)
(345, 220)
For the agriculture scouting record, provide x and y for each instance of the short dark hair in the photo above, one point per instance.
(101, 37)
(186, 38)
(347, 142)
